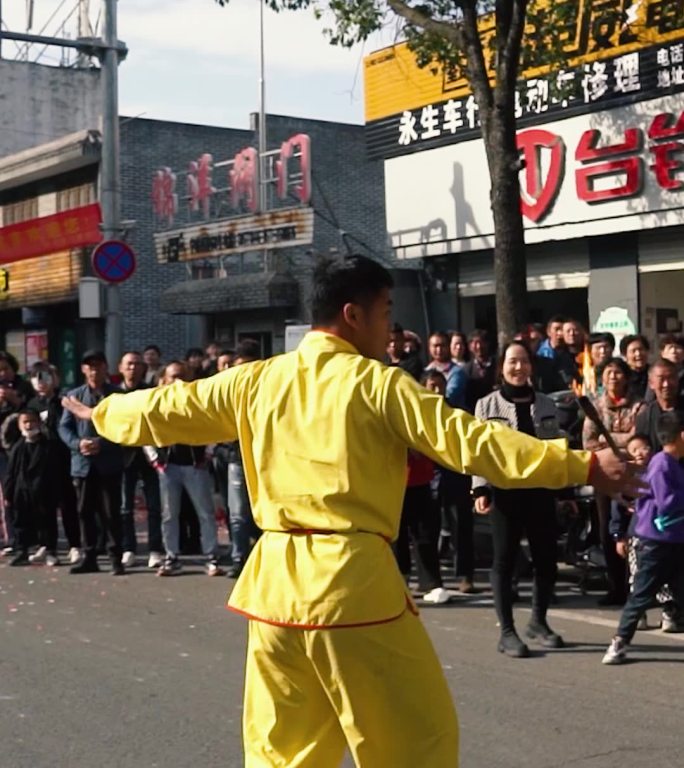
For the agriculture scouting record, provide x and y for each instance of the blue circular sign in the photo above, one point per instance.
(113, 261)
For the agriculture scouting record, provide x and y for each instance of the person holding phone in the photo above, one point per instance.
(514, 512)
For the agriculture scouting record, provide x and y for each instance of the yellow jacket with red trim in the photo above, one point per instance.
(324, 433)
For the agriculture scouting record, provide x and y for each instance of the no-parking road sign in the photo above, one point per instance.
(113, 261)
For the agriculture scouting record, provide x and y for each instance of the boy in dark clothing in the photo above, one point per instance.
(659, 526)
(32, 489)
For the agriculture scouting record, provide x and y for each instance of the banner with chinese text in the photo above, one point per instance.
(74, 228)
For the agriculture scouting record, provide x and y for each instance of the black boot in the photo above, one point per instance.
(512, 645)
(20, 558)
(538, 629)
(117, 567)
(87, 565)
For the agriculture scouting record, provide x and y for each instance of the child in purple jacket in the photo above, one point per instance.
(659, 526)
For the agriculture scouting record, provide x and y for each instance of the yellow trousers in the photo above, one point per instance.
(378, 690)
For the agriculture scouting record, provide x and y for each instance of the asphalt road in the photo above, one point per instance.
(142, 671)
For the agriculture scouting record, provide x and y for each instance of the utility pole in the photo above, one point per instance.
(110, 51)
(110, 179)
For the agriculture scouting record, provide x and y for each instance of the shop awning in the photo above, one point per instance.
(231, 294)
(55, 157)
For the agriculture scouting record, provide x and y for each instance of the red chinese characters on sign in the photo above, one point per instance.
(664, 132)
(297, 148)
(74, 228)
(608, 161)
(604, 172)
(244, 180)
(164, 197)
(538, 193)
(200, 189)
(291, 175)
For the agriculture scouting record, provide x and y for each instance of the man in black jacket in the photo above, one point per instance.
(96, 468)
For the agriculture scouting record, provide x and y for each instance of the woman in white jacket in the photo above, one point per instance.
(514, 512)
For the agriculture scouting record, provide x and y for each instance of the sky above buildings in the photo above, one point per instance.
(193, 61)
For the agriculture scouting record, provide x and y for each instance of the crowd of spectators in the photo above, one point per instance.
(51, 463)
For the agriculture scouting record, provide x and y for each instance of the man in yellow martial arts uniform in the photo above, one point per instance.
(337, 655)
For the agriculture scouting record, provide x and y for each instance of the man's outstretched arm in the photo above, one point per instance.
(198, 413)
(506, 458)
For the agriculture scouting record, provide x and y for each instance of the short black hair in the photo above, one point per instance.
(671, 340)
(668, 365)
(433, 375)
(640, 436)
(670, 425)
(478, 333)
(29, 412)
(10, 359)
(601, 338)
(130, 352)
(630, 339)
(152, 348)
(227, 352)
(397, 328)
(557, 319)
(248, 349)
(348, 280)
(615, 362)
(194, 352)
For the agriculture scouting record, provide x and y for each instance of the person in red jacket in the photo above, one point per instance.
(420, 518)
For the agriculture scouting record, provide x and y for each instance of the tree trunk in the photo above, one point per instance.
(510, 267)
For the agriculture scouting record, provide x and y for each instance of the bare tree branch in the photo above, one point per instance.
(509, 54)
(421, 19)
(479, 80)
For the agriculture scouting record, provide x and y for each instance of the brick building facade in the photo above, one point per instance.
(348, 197)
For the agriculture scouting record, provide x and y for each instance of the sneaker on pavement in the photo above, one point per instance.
(118, 568)
(20, 558)
(128, 559)
(235, 570)
(437, 595)
(213, 568)
(87, 565)
(6, 551)
(75, 555)
(156, 560)
(38, 556)
(616, 653)
(671, 624)
(466, 586)
(51, 560)
(170, 567)
(643, 623)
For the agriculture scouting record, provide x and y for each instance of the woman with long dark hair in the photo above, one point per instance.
(529, 511)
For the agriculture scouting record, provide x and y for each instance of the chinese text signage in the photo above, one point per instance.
(281, 228)
(609, 62)
(74, 228)
(591, 174)
(210, 190)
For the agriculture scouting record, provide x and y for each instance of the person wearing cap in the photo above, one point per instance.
(96, 468)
